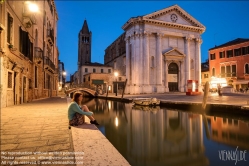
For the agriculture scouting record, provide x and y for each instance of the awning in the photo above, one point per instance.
(97, 82)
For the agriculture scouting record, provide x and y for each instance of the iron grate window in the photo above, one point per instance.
(9, 80)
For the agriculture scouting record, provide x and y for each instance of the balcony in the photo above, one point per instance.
(49, 65)
(38, 58)
(50, 36)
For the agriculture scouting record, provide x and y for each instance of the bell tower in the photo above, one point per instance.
(84, 45)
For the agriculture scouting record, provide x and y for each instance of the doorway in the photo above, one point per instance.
(173, 77)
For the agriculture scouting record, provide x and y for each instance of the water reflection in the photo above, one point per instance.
(230, 131)
(160, 136)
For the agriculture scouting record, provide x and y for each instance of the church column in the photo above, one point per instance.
(187, 61)
(146, 65)
(181, 77)
(160, 87)
(136, 62)
(159, 60)
(140, 63)
(128, 60)
(132, 39)
(166, 76)
(198, 63)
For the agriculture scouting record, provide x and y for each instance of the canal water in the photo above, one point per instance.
(153, 136)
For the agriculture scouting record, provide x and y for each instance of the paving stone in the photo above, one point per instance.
(9, 141)
(28, 139)
(6, 136)
(54, 133)
(5, 147)
(32, 144)
(29, 135)
(58, 141)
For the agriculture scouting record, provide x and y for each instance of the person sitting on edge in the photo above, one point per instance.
(75, 112)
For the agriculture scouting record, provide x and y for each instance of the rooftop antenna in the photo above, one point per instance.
(215, 39)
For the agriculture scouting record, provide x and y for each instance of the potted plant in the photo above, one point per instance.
(10, 45)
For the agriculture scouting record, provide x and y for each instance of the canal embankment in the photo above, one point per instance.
(235, 103)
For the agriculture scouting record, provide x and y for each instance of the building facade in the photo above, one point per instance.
(28, 51)
(115, 55)
(231, 61)
(162, 51)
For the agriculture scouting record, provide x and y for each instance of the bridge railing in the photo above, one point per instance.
(81, 86)
(94, 88)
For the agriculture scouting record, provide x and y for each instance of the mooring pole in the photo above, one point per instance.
(124, 89)
(204, 103)
(107, 91)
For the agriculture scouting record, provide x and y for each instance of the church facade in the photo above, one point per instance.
(162, 51)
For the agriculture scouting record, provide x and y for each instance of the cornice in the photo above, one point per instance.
(179, 10)
(142, 20)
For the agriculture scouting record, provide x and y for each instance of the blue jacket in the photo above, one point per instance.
(73, 108)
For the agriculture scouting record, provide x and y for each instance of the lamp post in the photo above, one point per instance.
(63, 78)
(116, 75)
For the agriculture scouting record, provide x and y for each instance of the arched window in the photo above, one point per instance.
(247, 69)
(213, 72)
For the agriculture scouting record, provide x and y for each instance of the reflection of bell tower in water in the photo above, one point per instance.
(84, 45)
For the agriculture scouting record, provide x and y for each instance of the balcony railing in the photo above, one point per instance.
(50, 35)
(38, 58)
(48, 64)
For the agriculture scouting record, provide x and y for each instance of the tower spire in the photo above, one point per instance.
(85, 27)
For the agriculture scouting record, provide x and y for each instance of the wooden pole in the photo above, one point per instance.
(124, 89)
(205, 96)
(107, 91)
(204, 103)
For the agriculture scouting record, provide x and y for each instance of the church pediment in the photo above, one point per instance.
(174, 15)
(173, 52)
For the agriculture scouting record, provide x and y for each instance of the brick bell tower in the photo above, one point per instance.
(84, 45)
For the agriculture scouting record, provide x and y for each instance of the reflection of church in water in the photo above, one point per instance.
(158, 52)
(165, 137)
(152, 136)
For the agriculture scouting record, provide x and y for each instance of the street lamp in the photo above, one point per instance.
(116, 75)
(64, 73)
(32, 7)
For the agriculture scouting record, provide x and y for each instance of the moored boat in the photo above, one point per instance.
(146, 101)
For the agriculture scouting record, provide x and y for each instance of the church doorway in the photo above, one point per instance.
(173, 77)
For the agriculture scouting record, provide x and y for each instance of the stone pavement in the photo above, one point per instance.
(37, 133)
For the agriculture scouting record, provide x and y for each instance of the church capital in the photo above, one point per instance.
(187, 38)
(198, 40)
(127, 39)
(146, 33)
(159, 34)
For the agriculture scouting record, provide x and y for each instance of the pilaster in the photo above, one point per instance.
(166, 76)
(160, 87)
(187, 60)
(198, 42)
